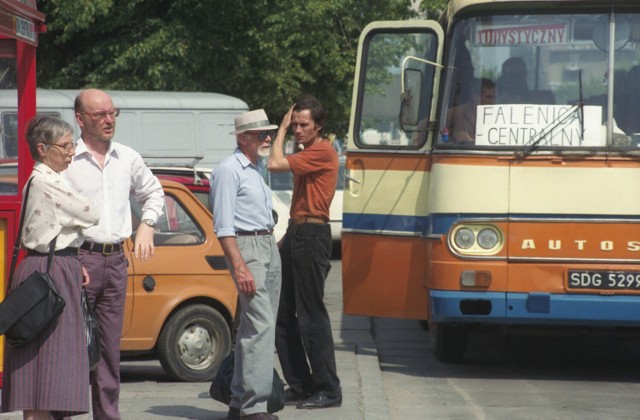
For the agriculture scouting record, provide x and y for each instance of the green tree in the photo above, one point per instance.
(266, 52)
(433, 8)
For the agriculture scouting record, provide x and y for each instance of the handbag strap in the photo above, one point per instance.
(16, 246)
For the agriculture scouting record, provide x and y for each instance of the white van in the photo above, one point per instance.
(161, 126)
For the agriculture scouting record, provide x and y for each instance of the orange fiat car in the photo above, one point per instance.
(181, 303)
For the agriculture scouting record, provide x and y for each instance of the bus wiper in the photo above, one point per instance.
(535, 140)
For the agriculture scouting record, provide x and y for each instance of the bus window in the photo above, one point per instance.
(552, 81)
(10, 132)
(377, 125)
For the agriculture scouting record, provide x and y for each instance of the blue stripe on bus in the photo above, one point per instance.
(537, 308)
(441, 223)
(386, 222)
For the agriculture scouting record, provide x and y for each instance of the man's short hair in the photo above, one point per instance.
(308, 102)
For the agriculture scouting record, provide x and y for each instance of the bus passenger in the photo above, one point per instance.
(243, 221)
(110, 173)
(303, 334)
(512, 83)
(49, 376)
(461, 120)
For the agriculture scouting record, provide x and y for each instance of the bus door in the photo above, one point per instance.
(386, 205)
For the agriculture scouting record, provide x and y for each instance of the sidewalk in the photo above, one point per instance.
(146, 393)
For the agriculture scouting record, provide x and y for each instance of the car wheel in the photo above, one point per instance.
(193, 343)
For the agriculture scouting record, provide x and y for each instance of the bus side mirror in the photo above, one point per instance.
(410, 98)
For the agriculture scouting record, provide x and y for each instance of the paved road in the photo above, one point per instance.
(387, 372)
(558, 376)
(146, 392)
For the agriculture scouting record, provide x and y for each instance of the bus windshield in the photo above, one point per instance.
(547, 80)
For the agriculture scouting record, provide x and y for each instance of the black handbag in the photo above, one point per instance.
(34, 304)
(220, 389)
(92, 329)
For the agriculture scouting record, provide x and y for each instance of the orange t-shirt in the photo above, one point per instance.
(315, 176)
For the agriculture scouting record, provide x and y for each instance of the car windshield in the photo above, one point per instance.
(544, 81)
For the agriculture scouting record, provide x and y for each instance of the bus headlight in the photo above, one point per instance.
(475, 239)
(487, 238)
(464, 238)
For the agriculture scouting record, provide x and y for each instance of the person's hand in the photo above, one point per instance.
(286, 120)
(85, 277)
(244, 281)
(143, 248)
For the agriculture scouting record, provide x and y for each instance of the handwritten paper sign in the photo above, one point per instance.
(518, 125)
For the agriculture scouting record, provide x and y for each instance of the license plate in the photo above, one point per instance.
(604, 280)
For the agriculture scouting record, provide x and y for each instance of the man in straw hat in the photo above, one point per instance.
(243, 222)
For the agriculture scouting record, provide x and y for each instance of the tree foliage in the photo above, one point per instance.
(433, 8)
(266, 52)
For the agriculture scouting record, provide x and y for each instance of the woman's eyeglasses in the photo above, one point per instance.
(67, 148)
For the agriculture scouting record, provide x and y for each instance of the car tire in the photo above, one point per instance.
(193, 342)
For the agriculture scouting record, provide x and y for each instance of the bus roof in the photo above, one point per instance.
(64, 98)
(455, 6)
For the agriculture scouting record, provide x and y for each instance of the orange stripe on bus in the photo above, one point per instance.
(386, 162)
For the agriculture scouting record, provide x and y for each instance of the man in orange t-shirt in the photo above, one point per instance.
(303, 330)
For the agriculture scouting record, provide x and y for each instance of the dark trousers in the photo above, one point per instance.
(107, 292)
(303, 329)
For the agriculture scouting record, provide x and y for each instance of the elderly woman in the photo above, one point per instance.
(49, 377)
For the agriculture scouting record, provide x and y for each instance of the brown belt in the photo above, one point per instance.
(254, 232)
(306, 219)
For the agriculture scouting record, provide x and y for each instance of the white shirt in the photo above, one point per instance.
(124, 174)
(54, 208)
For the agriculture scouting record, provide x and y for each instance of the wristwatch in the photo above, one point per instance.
(148, 222)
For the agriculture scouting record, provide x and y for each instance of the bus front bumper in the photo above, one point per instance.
(534, 308)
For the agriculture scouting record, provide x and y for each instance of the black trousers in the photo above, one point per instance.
(303, 332)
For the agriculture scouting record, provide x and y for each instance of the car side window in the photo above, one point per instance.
(175, 226)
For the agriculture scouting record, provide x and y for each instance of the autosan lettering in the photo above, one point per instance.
(576, 244)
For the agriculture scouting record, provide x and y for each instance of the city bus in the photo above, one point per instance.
(493, 170)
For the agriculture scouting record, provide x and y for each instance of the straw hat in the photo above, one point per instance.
(253, 121)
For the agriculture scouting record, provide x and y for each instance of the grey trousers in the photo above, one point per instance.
(255, 341)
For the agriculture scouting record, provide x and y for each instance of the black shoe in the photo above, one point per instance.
(320, 400)
(260, 416)
(293, 397)
(233, 414)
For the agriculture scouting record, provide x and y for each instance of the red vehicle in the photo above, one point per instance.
(20, 26)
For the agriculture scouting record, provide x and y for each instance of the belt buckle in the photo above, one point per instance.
(107, 249)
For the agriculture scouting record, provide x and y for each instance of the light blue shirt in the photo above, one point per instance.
(240, 199)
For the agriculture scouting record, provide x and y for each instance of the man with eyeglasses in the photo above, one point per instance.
(303, 333)
(108, 173)
(243, 222)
